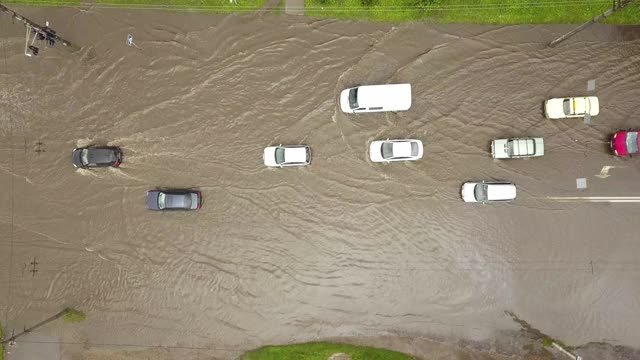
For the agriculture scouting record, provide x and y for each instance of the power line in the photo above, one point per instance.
(493, 4)
(320, 8)
(132, 345)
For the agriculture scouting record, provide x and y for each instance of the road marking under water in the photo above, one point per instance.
(604, 172)
(607, 199)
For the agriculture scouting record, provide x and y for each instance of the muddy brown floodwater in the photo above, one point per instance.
(343, 247)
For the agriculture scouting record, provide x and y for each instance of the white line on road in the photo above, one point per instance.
(607, 199)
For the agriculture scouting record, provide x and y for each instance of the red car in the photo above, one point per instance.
(625, 142)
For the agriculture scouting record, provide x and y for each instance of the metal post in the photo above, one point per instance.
(13, 337)
(621, 4)
(38, 28)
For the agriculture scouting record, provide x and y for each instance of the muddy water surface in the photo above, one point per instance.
(343, 247)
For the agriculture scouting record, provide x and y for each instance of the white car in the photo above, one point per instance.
(517, 148)
(395, 150)
(287, 155)
(571, 107)
(488, 191)
(376, 98)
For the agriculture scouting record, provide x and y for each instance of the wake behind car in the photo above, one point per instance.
(161, 200)
(517, 148)
(286, 155)
(395, 150)
(625, 143)
(571, 107)
(96, 156)
(488, 191)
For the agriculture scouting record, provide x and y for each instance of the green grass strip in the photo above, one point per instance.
(219, 6)
(500, 12)
(216, 6)
(473, 11)
(1, 345)
(43, 2)
(322, 351)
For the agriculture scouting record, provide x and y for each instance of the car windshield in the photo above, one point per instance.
(387, 150)
(481, 192)
(566, 106)
(414, 148)
(632, 142)
(161, 198)
(279, 155)
(353, 98)
(84, 156)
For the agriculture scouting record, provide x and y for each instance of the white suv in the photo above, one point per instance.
(488, 191)
(517, 148)
(287, 155)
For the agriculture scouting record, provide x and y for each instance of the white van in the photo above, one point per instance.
(488, 191)
(376, 98)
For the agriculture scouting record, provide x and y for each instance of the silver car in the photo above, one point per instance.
(161, 200)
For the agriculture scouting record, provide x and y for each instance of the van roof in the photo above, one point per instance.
(394, 96)
(501, 192)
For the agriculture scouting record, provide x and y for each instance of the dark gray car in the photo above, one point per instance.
(96, 156)
(173, 200)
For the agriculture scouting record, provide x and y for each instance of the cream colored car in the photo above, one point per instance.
(571, 107)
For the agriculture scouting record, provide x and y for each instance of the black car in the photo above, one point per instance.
(173, 200)
(96, 156)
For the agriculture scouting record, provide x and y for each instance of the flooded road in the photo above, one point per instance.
(343, 247)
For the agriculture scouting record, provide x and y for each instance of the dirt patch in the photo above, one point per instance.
(339, 356)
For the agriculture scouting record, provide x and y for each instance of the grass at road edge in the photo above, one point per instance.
(73, 316)
(473, 11)
(216, 6)
(437, 11)
(322, 351)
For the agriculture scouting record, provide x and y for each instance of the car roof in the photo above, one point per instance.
(580, 105)
(396, 96)
(501, 191)
(522, 146)
(402, 149)
(101, 155)
(295, 154)
(177, 200)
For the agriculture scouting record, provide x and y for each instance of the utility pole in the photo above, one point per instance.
(43, 32)
(13, 337)
(564, 351)
(617, 5)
